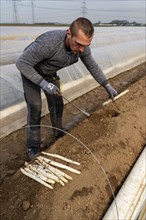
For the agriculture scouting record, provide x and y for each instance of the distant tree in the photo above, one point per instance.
(115, 22)
(135, 23)
(98, 23)
(120, 22)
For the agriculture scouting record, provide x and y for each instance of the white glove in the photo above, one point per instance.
(111, 91)
(50, 88)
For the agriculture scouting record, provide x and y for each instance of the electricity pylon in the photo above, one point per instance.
(32, 9)
(15, 11)
(84, 8)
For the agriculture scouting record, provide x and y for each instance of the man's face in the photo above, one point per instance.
(79, 42)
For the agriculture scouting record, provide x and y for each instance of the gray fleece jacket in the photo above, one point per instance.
(48, 54)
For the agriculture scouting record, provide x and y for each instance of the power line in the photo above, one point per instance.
(49, 8)
(71, 11)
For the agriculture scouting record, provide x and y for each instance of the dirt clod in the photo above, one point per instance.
(26, 205)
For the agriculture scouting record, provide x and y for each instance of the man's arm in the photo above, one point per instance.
(96, 72)
(32, 55)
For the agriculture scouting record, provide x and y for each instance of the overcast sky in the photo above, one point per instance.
(64, 11)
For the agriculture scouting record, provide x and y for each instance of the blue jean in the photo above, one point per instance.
(32, 94)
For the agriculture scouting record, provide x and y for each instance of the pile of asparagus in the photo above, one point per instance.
(46, 172)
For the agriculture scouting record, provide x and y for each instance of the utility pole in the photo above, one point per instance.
(32, 9)
(84, 8)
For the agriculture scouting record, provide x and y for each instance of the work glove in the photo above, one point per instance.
(111, 91)
(50, 88)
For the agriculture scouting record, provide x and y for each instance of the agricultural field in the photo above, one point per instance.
(113, 137)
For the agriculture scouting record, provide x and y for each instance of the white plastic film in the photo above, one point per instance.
(114, 49)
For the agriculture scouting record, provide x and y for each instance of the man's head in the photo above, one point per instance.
(79, 35)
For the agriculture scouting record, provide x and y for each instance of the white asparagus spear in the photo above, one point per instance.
(44, 172)
(44, 178)
(116, 97)
(61, 158)
(36, 178)
(58, 178)
(59, 165)
(43, 164)
(54, 170)
(41, 171)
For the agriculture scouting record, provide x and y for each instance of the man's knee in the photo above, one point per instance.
(34, 112)
(59, 101)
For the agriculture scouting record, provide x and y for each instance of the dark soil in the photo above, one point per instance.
(112, 137)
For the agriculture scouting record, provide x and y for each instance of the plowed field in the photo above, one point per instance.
(113, 136)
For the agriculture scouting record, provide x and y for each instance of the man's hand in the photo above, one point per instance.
(111, 91)
(50, 88)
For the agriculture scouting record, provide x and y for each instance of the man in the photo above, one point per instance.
(39, 64)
